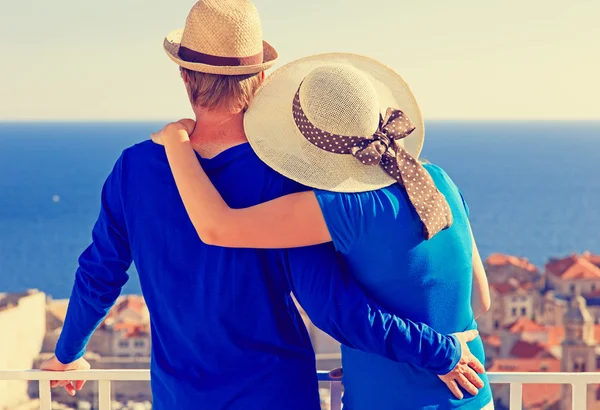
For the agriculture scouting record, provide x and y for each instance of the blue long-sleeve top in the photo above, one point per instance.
(225, 330)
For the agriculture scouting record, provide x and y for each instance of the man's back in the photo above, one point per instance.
(225, 331)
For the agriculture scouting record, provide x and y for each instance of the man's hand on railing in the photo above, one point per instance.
(71, 386)
(465, 371)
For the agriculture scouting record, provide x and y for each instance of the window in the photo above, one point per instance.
(124, 343)
(582, 367)
(514, 298)
(523, 311)
(572, 287)
(575, 367)
(496, 324)
(593, 287)
(514, 311)
(139, 343)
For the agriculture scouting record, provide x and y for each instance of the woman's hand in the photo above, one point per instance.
(174, 132)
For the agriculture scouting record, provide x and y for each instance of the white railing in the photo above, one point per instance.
(578, 382)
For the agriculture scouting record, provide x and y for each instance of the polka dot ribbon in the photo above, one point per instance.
(382, 149)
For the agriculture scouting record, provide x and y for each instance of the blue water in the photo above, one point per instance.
(533, 189)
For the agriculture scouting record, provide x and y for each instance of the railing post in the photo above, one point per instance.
(335, 396)
(45, 395)
(516, 396)
(579, 395)
(104, 398)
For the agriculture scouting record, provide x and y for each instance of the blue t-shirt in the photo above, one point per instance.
(380, 236)
(225, 331)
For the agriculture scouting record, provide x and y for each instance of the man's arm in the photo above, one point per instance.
(335, 304)
(101, 274)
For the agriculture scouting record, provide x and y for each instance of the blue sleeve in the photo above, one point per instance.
(101, 274)
(336, 305)
(342, 216)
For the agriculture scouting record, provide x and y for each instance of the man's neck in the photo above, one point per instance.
(216, 132)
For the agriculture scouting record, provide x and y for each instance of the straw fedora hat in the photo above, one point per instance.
(221, 37)
(341, 94)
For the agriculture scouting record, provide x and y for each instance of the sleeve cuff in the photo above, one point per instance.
(64, 358)
(456, 353)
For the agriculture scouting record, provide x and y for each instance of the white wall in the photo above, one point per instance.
(22, 330)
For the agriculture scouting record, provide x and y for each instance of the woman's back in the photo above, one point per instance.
(380, 235)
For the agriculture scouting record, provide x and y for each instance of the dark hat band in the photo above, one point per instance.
(192, 56)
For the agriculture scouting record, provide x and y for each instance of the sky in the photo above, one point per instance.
(464, 59)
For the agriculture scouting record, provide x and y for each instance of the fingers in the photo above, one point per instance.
(337, 373)
(189, 124)
(467, 385)
(474, 378)
(476, 365)
(467, 336)
(70, 388)
(67, 384)
(59, 383)
(453, 387)
(79, 384)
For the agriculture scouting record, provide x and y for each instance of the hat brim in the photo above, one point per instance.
(172, 43)
(273, 135)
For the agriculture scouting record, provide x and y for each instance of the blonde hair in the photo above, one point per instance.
(232, 92)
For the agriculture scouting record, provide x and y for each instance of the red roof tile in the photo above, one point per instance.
(133, 302)
(499, 259)
(512, 285)
(491, 340)
(595, 259)
(527, 350)
(524, 324)
(573, 267)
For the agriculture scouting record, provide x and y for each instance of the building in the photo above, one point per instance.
(125, 332)
(23, 325)
(510, 301)
(573, 274)
(500, 268)
(131, 340)
(579, 349)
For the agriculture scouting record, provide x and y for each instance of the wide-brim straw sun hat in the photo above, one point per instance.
(342, 94)
(221, 37)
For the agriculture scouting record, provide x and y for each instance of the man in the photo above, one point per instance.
(225, 331)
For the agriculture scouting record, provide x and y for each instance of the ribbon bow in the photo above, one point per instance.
(383, 149)
(394, 126)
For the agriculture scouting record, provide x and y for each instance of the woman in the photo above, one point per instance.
(402, 226)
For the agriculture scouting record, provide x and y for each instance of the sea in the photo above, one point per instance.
(533, 189)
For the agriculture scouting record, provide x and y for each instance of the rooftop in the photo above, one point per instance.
(500, 259)
(524, 324)
(574, 267)
(512, 285)
(528, 350)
